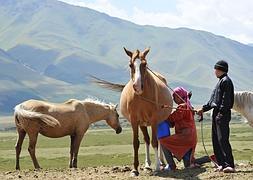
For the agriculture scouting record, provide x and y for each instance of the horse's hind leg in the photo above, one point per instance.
(154, 142)
(147, 143)
(161, 153)
(32, 144)
(21, 136)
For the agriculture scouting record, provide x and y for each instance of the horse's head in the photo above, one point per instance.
(113, 119)
(137, 64)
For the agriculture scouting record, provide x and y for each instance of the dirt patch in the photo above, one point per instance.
(243, 171)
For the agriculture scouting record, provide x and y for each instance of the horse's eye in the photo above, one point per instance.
(131, 65)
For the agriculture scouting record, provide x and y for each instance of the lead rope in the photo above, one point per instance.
(200, 120)
(169, 88)
(203, 143)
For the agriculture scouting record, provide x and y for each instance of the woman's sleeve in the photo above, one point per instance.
(176, 115)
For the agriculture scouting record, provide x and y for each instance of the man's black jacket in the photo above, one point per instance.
(222, 98)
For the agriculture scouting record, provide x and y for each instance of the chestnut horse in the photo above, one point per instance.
(72, 118)
(140, 103)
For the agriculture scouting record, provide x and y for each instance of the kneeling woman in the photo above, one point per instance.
(182, 144)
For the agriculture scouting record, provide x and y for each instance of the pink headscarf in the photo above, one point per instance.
(183, 93)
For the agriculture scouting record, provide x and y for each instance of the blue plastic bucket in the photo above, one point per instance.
(163, 129)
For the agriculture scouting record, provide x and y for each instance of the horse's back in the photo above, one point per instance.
(36, 105)
(160, 78)
(46, 107)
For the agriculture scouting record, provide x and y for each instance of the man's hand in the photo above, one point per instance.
(200, 114)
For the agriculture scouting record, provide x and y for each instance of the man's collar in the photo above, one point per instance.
(223, 75)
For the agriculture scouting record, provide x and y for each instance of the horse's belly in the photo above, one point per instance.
(145, 123)
(55, 132)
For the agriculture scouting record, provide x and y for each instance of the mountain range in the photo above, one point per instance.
(48, 49)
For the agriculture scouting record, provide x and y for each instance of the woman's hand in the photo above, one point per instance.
(200, 112)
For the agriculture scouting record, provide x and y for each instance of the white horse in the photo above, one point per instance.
(243, 103)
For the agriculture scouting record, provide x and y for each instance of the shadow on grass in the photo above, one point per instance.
(189, 173)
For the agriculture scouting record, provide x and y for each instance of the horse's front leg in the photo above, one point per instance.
(77, 141)
(154, 142)
(72, 137)
(136, 144)
(147, 143)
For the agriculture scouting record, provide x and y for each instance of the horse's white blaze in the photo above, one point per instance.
(137, 77)
(147, 159)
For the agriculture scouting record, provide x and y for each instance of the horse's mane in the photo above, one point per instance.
(97, 101)
(242, 99)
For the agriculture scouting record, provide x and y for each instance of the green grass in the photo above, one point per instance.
(104, 147)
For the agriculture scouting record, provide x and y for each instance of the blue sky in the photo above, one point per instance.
(230, 18)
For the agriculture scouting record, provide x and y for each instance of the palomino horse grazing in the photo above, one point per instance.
(243, 103)
(57, 120)
(140, 103)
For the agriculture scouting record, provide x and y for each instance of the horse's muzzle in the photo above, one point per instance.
(118, 130)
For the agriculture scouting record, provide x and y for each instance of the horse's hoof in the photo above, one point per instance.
(134, 173)
(71, 167)
(38, 169)
(147, 169)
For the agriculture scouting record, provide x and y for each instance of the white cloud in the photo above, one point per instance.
(230, 18)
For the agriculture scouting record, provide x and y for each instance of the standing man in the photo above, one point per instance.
(221, 101)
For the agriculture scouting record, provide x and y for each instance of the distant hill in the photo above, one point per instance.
(20, 82)
(49, 48)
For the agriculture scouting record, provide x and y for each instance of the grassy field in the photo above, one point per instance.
(104, 147)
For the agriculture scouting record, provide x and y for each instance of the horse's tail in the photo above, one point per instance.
(107, 84)
(20, 113)
(17, 121)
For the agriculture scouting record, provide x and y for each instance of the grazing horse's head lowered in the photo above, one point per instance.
(138, 66)
(113, 119)
(55, 120)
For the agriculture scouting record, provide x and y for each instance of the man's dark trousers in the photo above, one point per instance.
(220, 137)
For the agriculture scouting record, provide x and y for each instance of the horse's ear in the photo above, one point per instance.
(129, 53)
(115, 107)
(145, 52)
